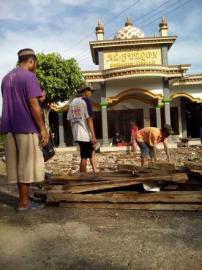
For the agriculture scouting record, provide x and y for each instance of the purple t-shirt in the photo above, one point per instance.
(18, 86)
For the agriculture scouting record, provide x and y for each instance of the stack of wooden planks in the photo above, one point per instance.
(181, 188)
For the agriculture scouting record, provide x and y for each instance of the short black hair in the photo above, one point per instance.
(85, 88)
(167, 129)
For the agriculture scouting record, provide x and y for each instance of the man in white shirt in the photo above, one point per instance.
(80, 115)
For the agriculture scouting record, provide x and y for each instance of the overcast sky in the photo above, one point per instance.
(67, 26)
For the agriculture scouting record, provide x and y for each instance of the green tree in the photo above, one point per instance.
(57, 76)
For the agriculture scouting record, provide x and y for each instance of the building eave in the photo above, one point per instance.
(169, 71)
(194, 79)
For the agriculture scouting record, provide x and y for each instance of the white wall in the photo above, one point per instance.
(155, 85)
(128, 104)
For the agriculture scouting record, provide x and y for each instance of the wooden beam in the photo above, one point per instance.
(122, 206)
(128, 197)
(168, 167)
(85, 180)
(97, 178)
(193, 165)
(153, 167)
(96, 186)
(90, 175)
(123, 182)
(195, 173)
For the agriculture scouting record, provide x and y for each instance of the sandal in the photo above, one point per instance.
(32, 206)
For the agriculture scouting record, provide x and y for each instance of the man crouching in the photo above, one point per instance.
(149, 137)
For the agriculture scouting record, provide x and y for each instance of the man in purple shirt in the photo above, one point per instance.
(23, 126)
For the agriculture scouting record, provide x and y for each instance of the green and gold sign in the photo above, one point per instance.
(132, 57)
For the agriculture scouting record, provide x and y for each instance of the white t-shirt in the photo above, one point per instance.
(77, 114)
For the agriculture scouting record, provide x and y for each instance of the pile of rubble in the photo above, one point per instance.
(120, 182)
(66, 163)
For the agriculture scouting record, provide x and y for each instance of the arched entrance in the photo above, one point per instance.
(193, 114)
(190, 113)
(130, 105)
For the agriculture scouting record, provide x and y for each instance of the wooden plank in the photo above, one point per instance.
(90, 176)
(104, 185)
(197, 173)
(153, 168)
(97, 186)
(122, 206)
(70, 184)
(190, 187)
(79, 188)
(96, 180)
(193, 165)
(106, 180)
(168, 167)
(129, 197)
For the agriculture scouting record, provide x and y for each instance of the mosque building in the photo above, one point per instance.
(136, 82)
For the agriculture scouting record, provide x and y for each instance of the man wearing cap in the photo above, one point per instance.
(80, 115)
(23, 126)
(148, 138)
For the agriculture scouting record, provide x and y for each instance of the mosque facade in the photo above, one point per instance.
(135, 82)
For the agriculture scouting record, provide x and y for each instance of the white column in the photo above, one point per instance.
(167, 112)
(105, 139)
(158, 116)
(103, 104)
(146, 115)
(166, 100)
(61, 129)
(183, 117)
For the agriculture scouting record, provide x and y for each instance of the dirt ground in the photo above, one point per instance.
(62, 238)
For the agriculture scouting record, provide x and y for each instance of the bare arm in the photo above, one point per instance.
(37, 115)
(91, 128)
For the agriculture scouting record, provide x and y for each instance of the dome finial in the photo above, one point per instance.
(128, 22)
(163, 21)
(99, 26)
(163, 27)
(99, 31)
